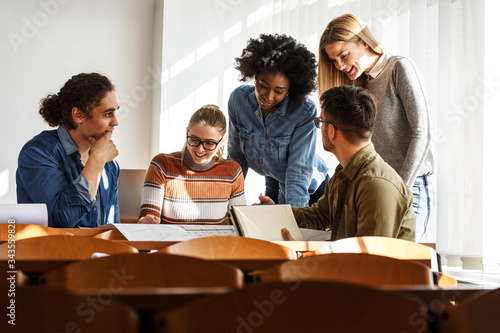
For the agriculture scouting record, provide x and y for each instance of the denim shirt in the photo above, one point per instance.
(283, 146)
(50, 171)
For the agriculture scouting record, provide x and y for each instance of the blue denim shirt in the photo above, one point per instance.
(283, 146)
(50, 171)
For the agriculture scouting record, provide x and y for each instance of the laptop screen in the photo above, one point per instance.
(130, 186)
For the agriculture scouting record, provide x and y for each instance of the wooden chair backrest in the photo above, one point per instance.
(446, 281)
(230, 247)
(143, 270)
(47, 310)
(112, 234)
(384, 246)
(476, 313)
(63, 247)
(310, 306)
(359, 268)
(28, 230)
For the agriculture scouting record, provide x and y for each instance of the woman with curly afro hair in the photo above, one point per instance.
(271, 123)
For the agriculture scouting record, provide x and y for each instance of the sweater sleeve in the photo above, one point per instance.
(154, 189)
(238, 191)
(410, 89)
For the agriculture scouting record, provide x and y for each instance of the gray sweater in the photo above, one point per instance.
(402, 132)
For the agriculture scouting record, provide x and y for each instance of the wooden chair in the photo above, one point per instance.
(112, 234)
(45, 310)
(142, 270)
(29, 230)
(384, 246)
(63, 247)
(310, 306)
(478, 314)
(358, 268)
(230, 247)
(445, 281)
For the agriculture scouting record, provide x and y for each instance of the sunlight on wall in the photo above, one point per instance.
(232, 32)
(173, 124)
(4, 182)
(207, 48)
(207, 94)
(183, 64)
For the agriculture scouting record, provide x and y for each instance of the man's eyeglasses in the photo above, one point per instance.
(208, 145)
(318, 121)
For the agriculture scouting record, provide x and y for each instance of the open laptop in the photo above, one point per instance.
(130, 186)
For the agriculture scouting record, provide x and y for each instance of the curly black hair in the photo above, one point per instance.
(84, 91)
(280, 53)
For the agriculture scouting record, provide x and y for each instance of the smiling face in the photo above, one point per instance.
(203, 133)
(103, 118)
(271, 89)
(351, 58)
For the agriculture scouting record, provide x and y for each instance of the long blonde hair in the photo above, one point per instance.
(210, 115)
(345, 28)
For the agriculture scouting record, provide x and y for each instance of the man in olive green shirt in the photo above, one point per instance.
(365, 197)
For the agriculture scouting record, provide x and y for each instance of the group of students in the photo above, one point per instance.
(371, 103)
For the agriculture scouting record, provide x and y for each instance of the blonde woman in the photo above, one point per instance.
(196, 185)
(349, 54)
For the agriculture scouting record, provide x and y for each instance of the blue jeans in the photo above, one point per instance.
(273, 190)
(423, 200)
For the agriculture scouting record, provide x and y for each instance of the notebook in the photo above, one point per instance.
(265, 221)
(130, 186)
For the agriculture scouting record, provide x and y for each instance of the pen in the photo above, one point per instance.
(260, 202)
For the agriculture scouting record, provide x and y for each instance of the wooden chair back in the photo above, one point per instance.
(230, 247)
(112, 234)
(63, 247)
(477, 313)
(310, 306)
(22, 231)
(358, 268)
(46, 310)
(445, 281)
(143, 270)
(384, 246)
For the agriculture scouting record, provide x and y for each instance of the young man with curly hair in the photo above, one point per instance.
(72, 169)
(271, 128)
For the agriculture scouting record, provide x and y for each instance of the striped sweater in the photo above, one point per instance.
(179, 195)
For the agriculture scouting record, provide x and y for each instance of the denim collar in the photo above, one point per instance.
(252, 99)
(66, 140)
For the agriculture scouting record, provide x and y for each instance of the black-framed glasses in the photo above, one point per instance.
(318, 121)
(208, 144)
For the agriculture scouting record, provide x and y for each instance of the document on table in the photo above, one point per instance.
(315, 235)
(173, 233)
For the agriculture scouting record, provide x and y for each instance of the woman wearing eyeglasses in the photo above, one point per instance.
(196, 185)
(271, 128)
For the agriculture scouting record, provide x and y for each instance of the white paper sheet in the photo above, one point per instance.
(174, 233)
(24, 213)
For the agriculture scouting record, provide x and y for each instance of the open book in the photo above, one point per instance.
(265, 221)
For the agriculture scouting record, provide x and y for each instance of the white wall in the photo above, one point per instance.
(201, 40)
(44, 42)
